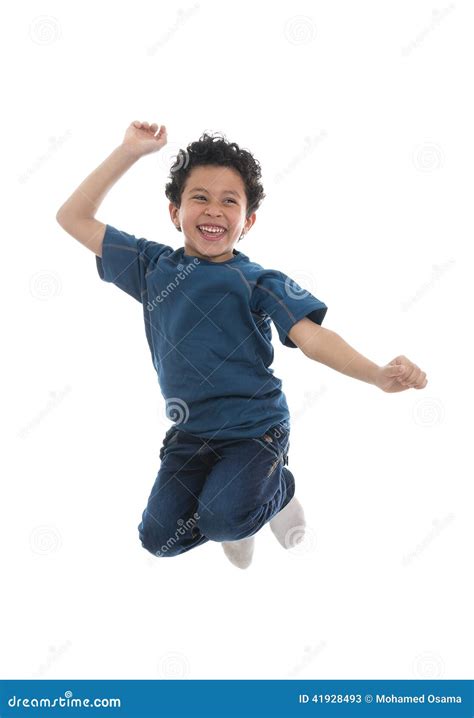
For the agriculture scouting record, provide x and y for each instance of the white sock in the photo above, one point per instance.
(240, 552)
(289, 524)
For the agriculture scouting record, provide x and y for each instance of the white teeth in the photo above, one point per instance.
(212, 229)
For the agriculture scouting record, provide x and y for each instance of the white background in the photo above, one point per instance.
(361, 116)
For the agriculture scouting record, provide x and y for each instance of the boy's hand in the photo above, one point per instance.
(141, 138)
(400, 374)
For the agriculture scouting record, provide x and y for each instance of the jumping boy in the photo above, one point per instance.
(207, 309)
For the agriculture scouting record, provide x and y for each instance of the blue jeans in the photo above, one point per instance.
(215, 489)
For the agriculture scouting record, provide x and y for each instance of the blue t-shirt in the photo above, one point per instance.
(208, 328)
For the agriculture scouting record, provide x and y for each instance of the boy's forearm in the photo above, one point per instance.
(86, 199)
(329, 348)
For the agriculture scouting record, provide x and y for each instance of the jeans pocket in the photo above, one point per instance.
(276, 441)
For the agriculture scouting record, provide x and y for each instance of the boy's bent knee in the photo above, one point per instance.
(157, 550)
(157, 544)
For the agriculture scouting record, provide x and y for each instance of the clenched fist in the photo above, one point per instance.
(400, 374)
(141, 138)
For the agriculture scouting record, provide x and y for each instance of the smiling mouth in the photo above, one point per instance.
(212, 236)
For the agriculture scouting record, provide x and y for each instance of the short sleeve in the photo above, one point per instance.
(126, 260)
(285, 302)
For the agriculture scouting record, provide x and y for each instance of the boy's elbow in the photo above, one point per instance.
(60, 215)
(64, 217)
(65, 212)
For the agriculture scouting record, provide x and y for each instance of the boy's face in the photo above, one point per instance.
(212, 195)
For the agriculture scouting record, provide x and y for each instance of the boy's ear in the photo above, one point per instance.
(174, 215)
(250, 221)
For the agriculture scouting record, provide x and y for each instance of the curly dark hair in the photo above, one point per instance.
(215, 149)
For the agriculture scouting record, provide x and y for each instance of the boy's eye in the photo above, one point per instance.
(200, 196)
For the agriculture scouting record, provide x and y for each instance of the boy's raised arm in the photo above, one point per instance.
(77, 215)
